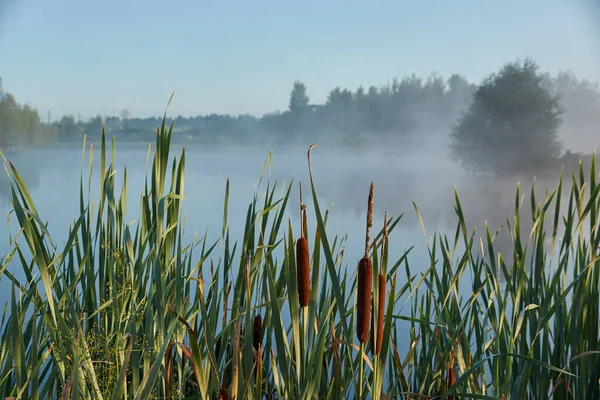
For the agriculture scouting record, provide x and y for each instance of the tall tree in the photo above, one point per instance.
(9, 119)
(580, 100)
(512, 124)
(93, 128)
(459, 95)
(20, 124)
(67, 128)
(298, 98)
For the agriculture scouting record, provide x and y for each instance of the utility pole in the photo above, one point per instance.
(49, 114)
(1, 91)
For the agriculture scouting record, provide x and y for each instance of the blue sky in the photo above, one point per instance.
(98, 57)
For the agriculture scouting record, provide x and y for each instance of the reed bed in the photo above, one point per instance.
(131, 311)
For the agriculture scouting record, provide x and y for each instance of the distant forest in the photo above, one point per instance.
(411, 107)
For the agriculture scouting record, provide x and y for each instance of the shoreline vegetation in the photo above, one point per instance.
(130, 310)
(519, 121)
(410, 108)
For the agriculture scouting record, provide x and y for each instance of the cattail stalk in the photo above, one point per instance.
(376, 345)
(303, 259)
(365, 280)
(451, 380)
(257, 337)
(303, 271)
(257, 341)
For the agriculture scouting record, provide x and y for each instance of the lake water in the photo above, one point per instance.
(342, 179)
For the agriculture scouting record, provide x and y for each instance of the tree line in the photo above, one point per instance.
(21, 123)
(510, 121)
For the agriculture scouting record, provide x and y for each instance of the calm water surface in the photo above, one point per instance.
(342, 179)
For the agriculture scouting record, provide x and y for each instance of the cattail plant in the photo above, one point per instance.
(257, 337)
(302, 259)
(257, 340)
(223, 395)
(376, 344)
(451, 374)
(365, 280)
(451, 380)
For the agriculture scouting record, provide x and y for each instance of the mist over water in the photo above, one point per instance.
(460, 112)
(410, 163)
(422, 175)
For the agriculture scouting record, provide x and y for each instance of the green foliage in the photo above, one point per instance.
(582, 117)
(126, 310)
(21, 123)
(512, 124)
(399, 109)
(409, 109)
(68, 129)
(298, 98)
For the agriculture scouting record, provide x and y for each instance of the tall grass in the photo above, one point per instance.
(132, 311)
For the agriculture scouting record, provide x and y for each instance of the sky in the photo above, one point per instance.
(100, 57)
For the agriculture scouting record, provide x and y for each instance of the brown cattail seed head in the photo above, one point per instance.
(303, 271)
(376, 346)
(363, 304)
(218, 347)
(451, 380)
(223, 395)
(257, 332)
